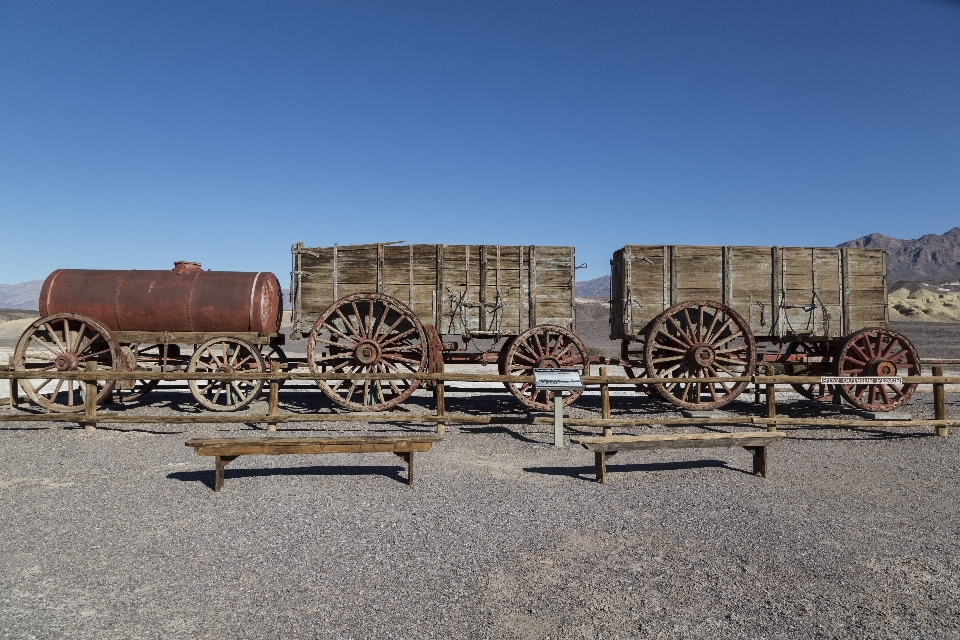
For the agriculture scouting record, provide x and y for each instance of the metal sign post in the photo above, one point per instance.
(557, 381)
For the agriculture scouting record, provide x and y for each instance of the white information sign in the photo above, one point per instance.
(557, 379)
(846, 380)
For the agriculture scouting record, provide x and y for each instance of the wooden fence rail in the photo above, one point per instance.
(90, 417)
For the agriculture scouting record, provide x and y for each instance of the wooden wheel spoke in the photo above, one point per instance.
(399, 336)
(863, 357)
(658, 340)
(727, 339)
(56, 339)
(687, 341)
(44, 344)
(93, 355)
(361, 328)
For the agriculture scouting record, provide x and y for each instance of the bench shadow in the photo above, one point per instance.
(206, 476)
(589, 474)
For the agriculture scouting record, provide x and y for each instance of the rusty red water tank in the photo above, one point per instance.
(186, 298)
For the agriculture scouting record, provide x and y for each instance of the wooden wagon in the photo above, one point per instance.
(395, 308)
(690, 312)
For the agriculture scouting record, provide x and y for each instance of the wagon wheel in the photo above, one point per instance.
(700, 339)
(542, 347)
(877, 352)
(149, 357)
(632, 363)
(226, 355)
(812, 391)
(65, 342)
(270, 352)
(368, 333)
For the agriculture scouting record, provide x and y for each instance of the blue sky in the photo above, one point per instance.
(133, 134)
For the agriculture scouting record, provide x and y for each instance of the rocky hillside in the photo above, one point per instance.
(932, 258)
(25, 295)
(596, 288)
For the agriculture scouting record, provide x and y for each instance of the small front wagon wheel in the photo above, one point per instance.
(541, 347)
(226, 355)
(877, 352)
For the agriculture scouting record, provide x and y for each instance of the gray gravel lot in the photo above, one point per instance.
(118, 534)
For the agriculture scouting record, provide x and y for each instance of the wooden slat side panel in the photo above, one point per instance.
(749, 282)
(555, 275)
(642, 282)
(316, 288)
(698, 273)
(867, 287)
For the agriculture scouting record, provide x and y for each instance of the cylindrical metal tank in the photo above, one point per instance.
(185, 298)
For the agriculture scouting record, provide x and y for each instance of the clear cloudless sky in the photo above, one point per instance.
(133, 134)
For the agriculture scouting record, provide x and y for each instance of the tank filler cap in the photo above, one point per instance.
(182, 267)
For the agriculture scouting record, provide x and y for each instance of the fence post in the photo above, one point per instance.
(771, 390)
(90, 399)
(939, 400)
(605, 402)
(273, 399)
(14, 387)
(438, 391)
(756, 390)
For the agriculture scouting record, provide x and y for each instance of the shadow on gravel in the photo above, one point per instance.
(862, 434)
(588, 473)
(206, 477)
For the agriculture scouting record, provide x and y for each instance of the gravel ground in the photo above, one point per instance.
(118, 534)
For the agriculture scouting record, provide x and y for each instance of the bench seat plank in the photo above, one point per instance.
(225, 450)
(678, 441)
(754, 442)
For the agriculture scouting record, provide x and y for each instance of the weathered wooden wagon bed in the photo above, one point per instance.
(693, 312)
(389, 308)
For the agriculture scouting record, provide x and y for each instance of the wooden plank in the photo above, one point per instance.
(681, 441)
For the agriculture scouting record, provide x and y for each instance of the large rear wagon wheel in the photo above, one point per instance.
(65, 342)
(541, 347)
(368, 333)
(700, 339)
(877, 352)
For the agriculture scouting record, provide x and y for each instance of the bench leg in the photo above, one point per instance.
(408, 456)
(600, 461)
(759, 460)
(219, 464)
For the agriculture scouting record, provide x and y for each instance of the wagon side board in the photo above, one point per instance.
(781, 292)
(461, 289)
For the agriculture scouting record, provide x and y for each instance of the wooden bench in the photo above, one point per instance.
(226, 450)
(754, 442)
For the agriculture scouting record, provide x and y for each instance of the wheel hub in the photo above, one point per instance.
(225, 369)
(367, 352)
(880, 367)
(703, 354)
(67, 362)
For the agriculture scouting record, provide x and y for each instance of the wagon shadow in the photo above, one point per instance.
(588, 473)
(206, 477)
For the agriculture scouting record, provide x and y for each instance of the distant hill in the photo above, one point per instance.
(596, 288)
(931, 258)
(25, 295)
